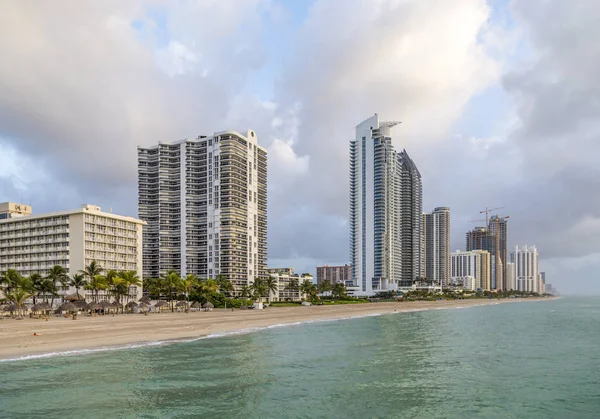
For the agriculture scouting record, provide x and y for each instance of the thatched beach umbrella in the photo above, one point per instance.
(74, 297)
(45, 306)
(105, 305)
(81, 304)
(208, 306)
(145, 299)
(70, 307)
(11, 308)
(131, 305)
(181, 304)
(160, 305)
(93, 306)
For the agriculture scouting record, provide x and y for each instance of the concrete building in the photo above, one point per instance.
(482, 238)
(334, 274)
(273, 271)
(437, 245)
(502, 224)
(13, 210)
(386, 206)
(205, 202)
(288, 286)
(72, 239)
(525, 259)
(510, 277)
(471, 264)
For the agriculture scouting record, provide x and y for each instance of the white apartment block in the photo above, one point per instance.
(72, 239)
(525, 259)
(205, 202)
(471, 264)
(437, 245)
(386, 206)
(285, 290)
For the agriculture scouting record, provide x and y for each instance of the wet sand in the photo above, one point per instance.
(59, 334)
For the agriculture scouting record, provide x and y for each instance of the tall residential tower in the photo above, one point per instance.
(205, 202)
(437, 245)
(386, 204)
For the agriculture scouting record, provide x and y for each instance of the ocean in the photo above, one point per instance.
(522, 360)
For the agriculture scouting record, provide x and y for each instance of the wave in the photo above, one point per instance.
(77, 352)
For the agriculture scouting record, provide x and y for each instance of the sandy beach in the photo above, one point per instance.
(17, 337)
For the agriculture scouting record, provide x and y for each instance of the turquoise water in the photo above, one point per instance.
(523, 360)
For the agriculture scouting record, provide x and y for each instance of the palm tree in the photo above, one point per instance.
(96, 284)
(245, 292)
(48, 288)
(225, 285)
(324, 287)
(187, 285)
(10, 280)
(78, 281)
(293, 287)
(36, 281)
(258, 289)
(92, 270)
(339, 290)
(271, 285)
(18, 298)
(306, 286)
(58, 275)
(132, 279)
(170, 283)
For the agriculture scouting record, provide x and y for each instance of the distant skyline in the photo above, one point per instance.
(497, 99)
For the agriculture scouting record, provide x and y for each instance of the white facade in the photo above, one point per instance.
(510, 277)
(205, 201)
(472, 263)
(285, 290)
(72, 239)
(437, 245)
(525, 259)
(386, 237)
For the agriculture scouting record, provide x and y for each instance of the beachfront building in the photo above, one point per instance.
(525, 259)
(72, 239)
(334, 274)
(470, 264)
(386, 206)
(288, 286)
(274, 271)
(510, 277)
(205, 202)
(436, 225)
(13, 210)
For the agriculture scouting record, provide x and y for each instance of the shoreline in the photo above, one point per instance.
(65, 337)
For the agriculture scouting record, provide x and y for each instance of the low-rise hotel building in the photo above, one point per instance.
(72, 239)
(288, 285)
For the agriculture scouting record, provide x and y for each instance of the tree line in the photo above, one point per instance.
(17, 289)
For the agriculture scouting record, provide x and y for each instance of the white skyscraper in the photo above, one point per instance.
(205, 202)
(386, 229)
(525, 261)
(437, 245)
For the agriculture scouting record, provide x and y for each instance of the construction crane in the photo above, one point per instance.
(487, 211)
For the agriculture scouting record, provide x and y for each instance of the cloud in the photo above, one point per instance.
(87, 82)
(83, 87)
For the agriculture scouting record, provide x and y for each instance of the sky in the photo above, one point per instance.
(499, 104)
